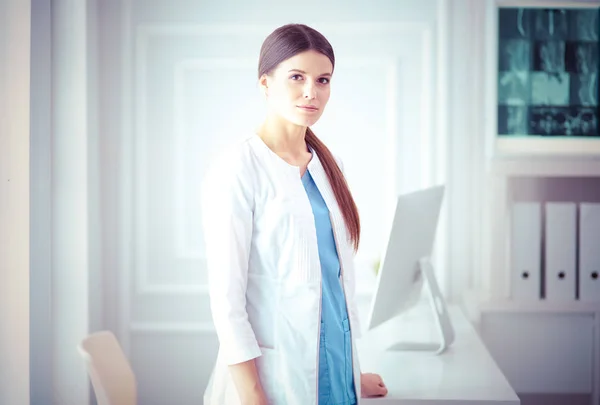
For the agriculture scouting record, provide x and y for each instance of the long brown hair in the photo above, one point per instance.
(283, 43)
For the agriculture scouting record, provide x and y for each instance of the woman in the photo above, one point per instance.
(281, 229)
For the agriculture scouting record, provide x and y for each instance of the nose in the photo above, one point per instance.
(310, 92)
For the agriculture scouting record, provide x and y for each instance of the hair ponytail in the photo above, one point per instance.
(339, 186)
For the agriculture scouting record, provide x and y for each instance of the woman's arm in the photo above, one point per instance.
(227, 217)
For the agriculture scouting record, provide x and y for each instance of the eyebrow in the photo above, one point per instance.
(303, 72)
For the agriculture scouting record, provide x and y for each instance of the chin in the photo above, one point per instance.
(308, 123)
(305, 121)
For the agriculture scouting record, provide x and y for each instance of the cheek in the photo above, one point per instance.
(283, 94)
(294, 91)
(324, 95)
(278, 97)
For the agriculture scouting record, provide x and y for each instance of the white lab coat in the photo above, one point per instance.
(265, 274)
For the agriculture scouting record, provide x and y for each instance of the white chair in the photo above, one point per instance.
(109, 370)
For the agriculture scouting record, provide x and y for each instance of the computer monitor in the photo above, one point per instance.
(406, 265)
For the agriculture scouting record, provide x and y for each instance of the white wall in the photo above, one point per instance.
(14, 201)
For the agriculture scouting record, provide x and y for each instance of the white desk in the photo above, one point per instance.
(464, 374)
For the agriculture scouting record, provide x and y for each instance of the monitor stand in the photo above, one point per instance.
(443, 324)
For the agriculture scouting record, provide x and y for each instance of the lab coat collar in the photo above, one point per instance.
(314, 166)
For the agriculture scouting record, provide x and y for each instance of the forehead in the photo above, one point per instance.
(311, 62)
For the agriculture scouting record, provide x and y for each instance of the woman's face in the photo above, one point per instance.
(298, 89)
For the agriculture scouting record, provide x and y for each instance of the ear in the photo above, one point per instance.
(263, 83)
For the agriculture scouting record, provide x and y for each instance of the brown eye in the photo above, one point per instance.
(295, 77)
(324, 80)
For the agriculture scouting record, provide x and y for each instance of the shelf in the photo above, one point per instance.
(539, 307)
(474, 304)
(547, 166)
(515, 145)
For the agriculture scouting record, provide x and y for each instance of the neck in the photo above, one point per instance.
(283, 137)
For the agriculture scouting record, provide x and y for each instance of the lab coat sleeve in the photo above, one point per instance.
(227, 213)
(356, 326)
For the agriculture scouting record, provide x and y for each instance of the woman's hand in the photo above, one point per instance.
(371, 385)
(247, 382)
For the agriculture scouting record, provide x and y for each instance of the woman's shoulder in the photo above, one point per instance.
(233, 156)
(231, 162)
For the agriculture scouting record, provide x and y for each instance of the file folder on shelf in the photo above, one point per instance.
(560, 251)
(526, 245)
(589, 252)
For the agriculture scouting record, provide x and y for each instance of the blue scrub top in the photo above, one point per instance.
(336, 381)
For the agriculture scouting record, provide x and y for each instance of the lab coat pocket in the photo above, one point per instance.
(348, 369)
(324, 383)
(268, 367)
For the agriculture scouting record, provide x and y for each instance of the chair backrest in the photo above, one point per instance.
(109, 370)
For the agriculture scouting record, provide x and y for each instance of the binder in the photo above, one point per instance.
(526, 245)
(589, 252)
(560, 251)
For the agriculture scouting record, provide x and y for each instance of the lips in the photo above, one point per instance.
(307, 107)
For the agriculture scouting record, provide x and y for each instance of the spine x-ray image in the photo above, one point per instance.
(548, 69)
